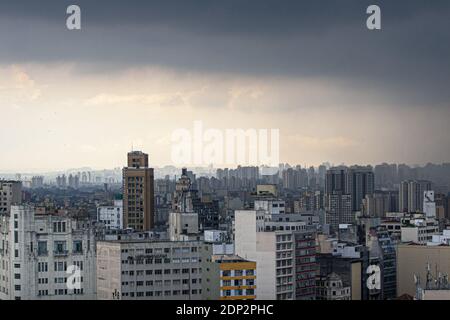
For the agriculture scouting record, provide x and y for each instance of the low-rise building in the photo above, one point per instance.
(149, 270)
(183, 226)
(331, 287)
(111, 216)
(227, 277)
(350, 262)
(419, 230)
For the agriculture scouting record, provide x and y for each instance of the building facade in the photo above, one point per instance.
(284, 253)
(111, 216)
(331, 287)
(10, 193)
(412, 260)
(40, 254)
(411, 195)
(149, 270)
(227, 276)
(138, 193)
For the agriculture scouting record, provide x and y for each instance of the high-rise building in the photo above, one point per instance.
(312, 178)
(335, 180)
(322, 171)
(345, 189)
(355, 181)
(138, 193)
(360, 181)
(61, 181)
(289, 179)
(284, 252)
(379, 203)
(37, 182)
(338, 210)
(429, 205)
(10, 193)
(385, 175)
(411, 195)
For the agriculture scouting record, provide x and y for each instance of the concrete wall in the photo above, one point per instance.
(108, 270)
(413, 259)
(259, 247)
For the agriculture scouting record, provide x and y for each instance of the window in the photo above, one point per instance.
(60, 247)
(79, 264)
(42, 266)
(42, 248)
(78, 246)
(60, 266)
(226, 273)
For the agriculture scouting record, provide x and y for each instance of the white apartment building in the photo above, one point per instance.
(419, 230)
(439, 239)
(149, 270)
(10, 193)
(111, 216)
(37, 253)
(284, 253)
(270, 206)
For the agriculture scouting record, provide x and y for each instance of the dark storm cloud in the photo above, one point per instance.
(408, 60)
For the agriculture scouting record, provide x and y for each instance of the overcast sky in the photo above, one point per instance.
(138, 70)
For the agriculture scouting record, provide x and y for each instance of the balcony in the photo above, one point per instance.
(42, 253)
(60, 253)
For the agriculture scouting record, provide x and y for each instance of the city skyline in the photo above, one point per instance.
(132, 76)
(178, 167)
(342, 233)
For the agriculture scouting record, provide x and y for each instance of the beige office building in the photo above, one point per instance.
(413, 259)
(138, 193)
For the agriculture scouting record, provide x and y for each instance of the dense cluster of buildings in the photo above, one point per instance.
(326, 233)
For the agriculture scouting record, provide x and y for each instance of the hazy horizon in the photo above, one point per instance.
(305, 166)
